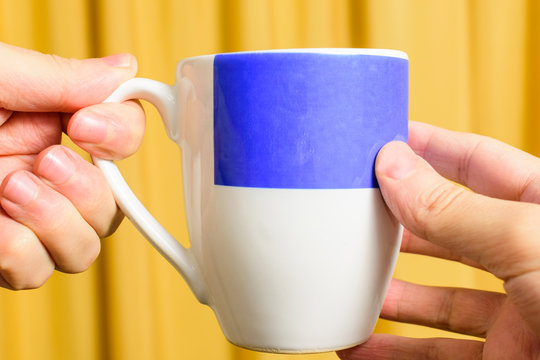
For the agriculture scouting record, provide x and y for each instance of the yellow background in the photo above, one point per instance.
(474, 66)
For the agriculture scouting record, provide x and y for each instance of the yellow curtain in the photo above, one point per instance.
(474, 66)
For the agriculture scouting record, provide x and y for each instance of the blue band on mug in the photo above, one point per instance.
(305, 120)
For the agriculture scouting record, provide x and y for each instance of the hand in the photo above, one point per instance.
(496, 228)
(55, 206)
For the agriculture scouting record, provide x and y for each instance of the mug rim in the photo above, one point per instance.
(323, 51)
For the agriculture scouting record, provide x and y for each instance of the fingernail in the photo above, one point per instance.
(396, 160)
(20, 188)
(88, 127)
(118, 60)
(56, 166)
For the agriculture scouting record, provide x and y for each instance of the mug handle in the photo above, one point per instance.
(163, 97)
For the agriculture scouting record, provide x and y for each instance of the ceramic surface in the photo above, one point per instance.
(292, 245)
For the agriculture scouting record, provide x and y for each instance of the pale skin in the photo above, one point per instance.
(494, 227)
(55, 206)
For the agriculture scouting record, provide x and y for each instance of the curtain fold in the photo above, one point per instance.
(474, 66)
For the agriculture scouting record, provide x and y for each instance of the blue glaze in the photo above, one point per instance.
(305, 120)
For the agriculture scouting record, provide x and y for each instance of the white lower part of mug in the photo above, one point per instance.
(296, 271)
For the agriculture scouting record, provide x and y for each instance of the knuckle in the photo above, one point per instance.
(525, 222)
(108, 228)
(55, 219)
(123, 146)
(518, 253)
(89, 255)
(59, 65)
(530, 191)
(515, 251)
(15, 249)
(20, 262)
(34, 281)
(102, 213)
(446, 312)
(82, 258)
(126, 137)
(433, 205)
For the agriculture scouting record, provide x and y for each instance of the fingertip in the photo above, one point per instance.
(403, 176)
(19, 188)
(124, 63)
(122, 60)
(419, 136)
(396, 161)
(55, 164)
(88, 126)
(108, 130)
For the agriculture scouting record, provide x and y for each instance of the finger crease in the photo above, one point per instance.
(532, 182)
(446, 309)
(465, 165)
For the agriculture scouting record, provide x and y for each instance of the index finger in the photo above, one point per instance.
(32, 81)
(485, 165)
(500, 235)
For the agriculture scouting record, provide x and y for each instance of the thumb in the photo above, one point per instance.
(31, 81)
(498, 234)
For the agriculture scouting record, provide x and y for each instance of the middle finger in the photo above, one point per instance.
(413, 244)
(71, 242)
(464, 311)
(83, 184)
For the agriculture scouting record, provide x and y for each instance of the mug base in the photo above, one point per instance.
(294, 351)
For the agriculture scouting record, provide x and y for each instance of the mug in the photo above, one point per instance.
(292, 245)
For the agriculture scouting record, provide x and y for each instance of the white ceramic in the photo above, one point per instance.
(292, 258)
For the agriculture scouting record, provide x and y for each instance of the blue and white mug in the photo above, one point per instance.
(292, 245)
